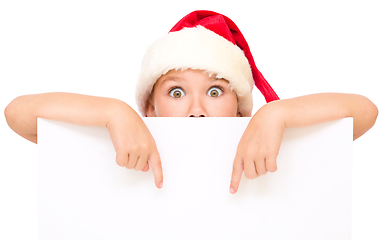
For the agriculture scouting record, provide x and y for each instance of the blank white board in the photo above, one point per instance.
(84, 194)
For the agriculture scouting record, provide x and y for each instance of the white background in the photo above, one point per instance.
(95, 47)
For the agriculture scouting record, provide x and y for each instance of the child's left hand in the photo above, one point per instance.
(259, 146)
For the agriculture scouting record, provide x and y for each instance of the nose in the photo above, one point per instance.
(197, 109)
(197, 116)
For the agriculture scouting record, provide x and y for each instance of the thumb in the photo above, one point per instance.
(156, 165)
(236, 175)
(146, 168)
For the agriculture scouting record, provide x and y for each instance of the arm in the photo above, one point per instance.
(22, 112)
(318, 108)
(135, 148)
(259, 146)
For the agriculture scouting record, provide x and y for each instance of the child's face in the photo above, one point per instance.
(192, 93)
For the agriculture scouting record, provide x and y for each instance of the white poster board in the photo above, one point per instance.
(84, 194)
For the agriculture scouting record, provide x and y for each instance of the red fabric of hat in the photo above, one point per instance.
(226, 28)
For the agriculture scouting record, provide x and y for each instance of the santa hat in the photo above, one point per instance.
(208, 41)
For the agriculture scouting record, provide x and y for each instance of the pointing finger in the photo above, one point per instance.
(156, 165)
(236, 175)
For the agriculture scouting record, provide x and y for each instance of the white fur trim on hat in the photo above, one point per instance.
(196, 48)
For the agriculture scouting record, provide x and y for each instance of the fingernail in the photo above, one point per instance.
(232, 191)
(161, 185)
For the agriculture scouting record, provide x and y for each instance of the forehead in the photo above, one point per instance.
(186, 75)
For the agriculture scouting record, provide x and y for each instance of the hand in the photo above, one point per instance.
(259, 146)
(134, 145)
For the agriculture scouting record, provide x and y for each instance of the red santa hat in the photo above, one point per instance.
(208, 41)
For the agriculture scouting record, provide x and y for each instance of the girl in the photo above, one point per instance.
(202, 68)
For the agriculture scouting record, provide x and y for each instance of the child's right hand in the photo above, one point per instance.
(134, 145)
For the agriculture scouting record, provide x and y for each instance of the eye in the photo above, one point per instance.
(176, 93)
(215, 92)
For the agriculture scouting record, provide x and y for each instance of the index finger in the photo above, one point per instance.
(156, 165)
(236, 175)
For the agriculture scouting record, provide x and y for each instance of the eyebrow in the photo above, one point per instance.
(220, 79)
(175, 79)
(171, 78)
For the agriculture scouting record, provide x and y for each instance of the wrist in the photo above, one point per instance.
(119, 109)
(272, 112)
